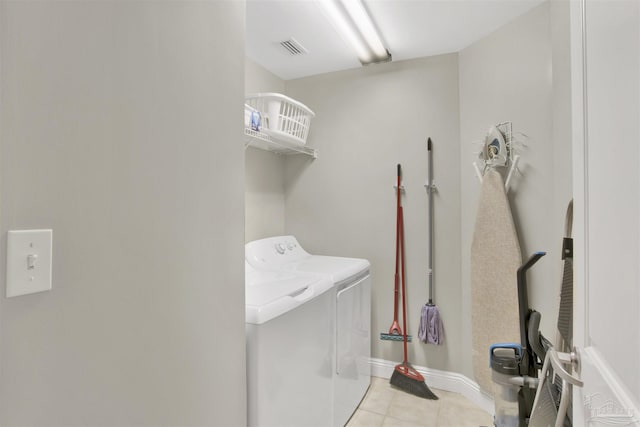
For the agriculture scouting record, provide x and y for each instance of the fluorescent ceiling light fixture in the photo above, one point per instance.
(354, 24)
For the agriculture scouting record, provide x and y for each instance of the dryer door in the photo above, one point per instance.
(353, 347)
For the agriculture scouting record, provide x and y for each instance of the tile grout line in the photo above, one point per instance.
(397, 396)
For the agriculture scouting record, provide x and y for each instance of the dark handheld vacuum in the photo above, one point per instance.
(515, 365)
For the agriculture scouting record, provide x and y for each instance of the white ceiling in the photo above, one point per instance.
(410, 29)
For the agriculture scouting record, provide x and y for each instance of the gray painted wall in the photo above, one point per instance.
(121, 131)
(264, 171)
(368, 120)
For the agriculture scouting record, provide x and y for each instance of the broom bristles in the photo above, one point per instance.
(411, 382)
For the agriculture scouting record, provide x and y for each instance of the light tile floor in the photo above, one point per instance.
(386, 406)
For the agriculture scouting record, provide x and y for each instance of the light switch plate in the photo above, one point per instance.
(29, 255)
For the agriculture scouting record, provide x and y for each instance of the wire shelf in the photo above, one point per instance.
(265, 142)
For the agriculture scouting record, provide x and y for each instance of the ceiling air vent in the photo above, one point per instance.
(293, 47)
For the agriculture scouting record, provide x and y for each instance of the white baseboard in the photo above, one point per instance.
(442, 380)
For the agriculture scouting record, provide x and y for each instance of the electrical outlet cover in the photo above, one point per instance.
(29, 254)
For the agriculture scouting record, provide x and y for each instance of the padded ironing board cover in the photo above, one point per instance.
(495, 258)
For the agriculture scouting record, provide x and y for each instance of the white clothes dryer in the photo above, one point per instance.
(352, 299)
(289, 332)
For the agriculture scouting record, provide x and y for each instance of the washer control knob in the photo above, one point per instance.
(290, 246)
(280, 248)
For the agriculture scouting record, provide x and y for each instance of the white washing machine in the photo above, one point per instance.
(352, 299)
(290, 343)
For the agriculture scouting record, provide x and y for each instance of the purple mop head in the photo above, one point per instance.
(431, 330)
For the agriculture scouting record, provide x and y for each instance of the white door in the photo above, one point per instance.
(606, 179)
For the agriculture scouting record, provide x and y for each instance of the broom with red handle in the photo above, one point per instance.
(404, 375)
(395, 331)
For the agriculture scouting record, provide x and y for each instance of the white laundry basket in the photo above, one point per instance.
(283, 118)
